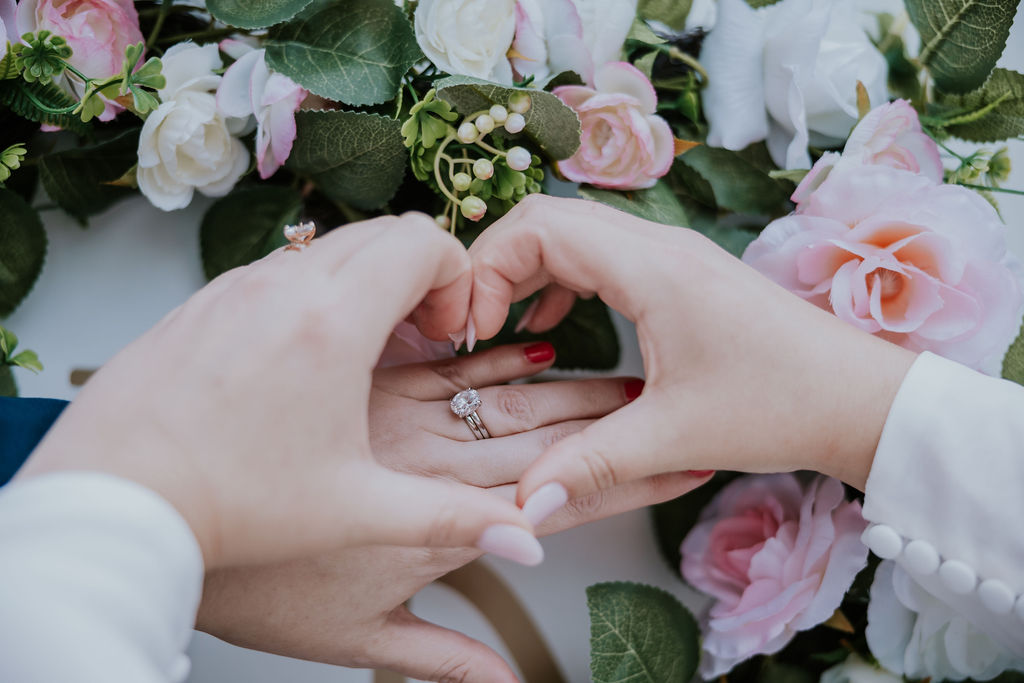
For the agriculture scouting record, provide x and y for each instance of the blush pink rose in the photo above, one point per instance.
(625, 145)
(777, 556)
(98, 31)
(922, 265)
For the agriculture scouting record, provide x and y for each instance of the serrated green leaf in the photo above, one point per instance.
(961, 39)
(28, 360)
(672, 13)
(991, 113)
(19, 95)
(354, 158)
(255, 13)
(658, 204)
(24, 250)
(8, 387)
(354, 51)
(737, 184)
(1013, 363)
(245, 226)
(77, 179)
(552, 125)
(641, 32)
(640, 634)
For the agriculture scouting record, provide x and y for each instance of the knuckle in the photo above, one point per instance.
(588, 506)
(556, 434)
(514, 404)
(456, 669)
(447, 522)
(600, 468)
(451, 372)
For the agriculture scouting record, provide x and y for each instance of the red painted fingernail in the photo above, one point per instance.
(701, 473)
(539, 353)
(634, 388)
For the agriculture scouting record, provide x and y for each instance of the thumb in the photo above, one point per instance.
(428, 652)
(429, 512)
(628, 445)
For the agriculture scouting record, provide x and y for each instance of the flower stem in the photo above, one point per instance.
(986, 188)
(678, 55)
(437, 169)
(158, 25)
(45, 108)
(201, 35)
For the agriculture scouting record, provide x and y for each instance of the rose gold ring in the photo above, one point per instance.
(299, 236)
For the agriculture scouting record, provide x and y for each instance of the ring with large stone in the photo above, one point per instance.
(299, 236)
(465, 404)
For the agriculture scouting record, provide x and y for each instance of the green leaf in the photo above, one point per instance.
(28, 360)
(758, 4)
(658, 204)
(255, 13)
(1013, 363)
(22, 98)
(738, 185)
(640, 634)
(355, 51)
(245, 226)
(8, 342)
(641, 32)
(778, 672)
(672, 13)
(991, 113)
(24, 250)
(7, 385)
(77, 179)
(354, 158)
(552, 125)
(961, 39)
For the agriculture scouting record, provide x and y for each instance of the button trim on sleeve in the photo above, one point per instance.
(958, 577)
(883, 541)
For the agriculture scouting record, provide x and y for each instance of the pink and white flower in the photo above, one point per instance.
(250, 88)
(777, 556)
(624, 144)
(98, 31)
(8, 25)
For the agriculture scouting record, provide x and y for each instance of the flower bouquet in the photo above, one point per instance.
(842, 148)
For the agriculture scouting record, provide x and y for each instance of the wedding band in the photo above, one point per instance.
(299, 236)
(465, 404)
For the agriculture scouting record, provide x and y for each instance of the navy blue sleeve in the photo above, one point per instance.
(23, 423)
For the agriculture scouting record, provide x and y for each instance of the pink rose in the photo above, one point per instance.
(777, 557)
(408, 345)
(98, 31)
(625, 145)
(249, 88)
(922, 265)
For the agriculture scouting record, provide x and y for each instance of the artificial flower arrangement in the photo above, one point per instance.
(804, 136)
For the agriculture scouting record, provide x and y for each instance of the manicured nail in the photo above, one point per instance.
(633, 388)
(470, 334)
(544, 502)
(700, 473)
(513, 543)
(539, 353)
(527, 316)
(458, 339)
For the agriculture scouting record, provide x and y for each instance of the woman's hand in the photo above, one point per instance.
(741, 374)
(246, 408)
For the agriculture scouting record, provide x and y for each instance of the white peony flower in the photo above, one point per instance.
(856, 670)
(468, 37)
(788, 74)
(187, 144)
(8, 25)
(913, 633)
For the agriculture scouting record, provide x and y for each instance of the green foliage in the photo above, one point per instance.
(24, 250)
(904, 73)
(40, 57)
(550, 124)
(1013, 364)
(255, 13)
(141, 81)
(736, 183)
(79, 179)
(961, 39)
(25, 359)
(8, 387)
(429, 121)
(246, 225)
(672, 13)
(10, 161)
(773, 671)
(658, 204)
(640, 634)
(674, 519)
(758, 4)
(354, 158)
(993, 112)
(355, 51)
(24, 99)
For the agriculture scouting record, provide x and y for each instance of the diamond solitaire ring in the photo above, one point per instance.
(299, 236)
(465, 404)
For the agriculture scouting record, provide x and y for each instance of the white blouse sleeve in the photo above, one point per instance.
(945, 496)
(100, 580)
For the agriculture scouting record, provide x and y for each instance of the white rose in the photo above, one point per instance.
(856, 670)
(187, 144)
(913, 633)
(468, 37)
(788, 74)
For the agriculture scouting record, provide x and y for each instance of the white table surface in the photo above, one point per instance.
(102, 287)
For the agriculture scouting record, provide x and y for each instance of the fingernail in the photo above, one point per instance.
(513, 543)
(470, 334)
(633, 388)
(527, 316)
(458, 338)
(544, 502)
(539, 353)
(701, 473)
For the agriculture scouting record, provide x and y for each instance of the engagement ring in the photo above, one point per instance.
(465, 404)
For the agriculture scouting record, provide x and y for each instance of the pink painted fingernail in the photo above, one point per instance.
(458, 339)
(527, 316)
(544, 502)
(513, 543)
(470, 334)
